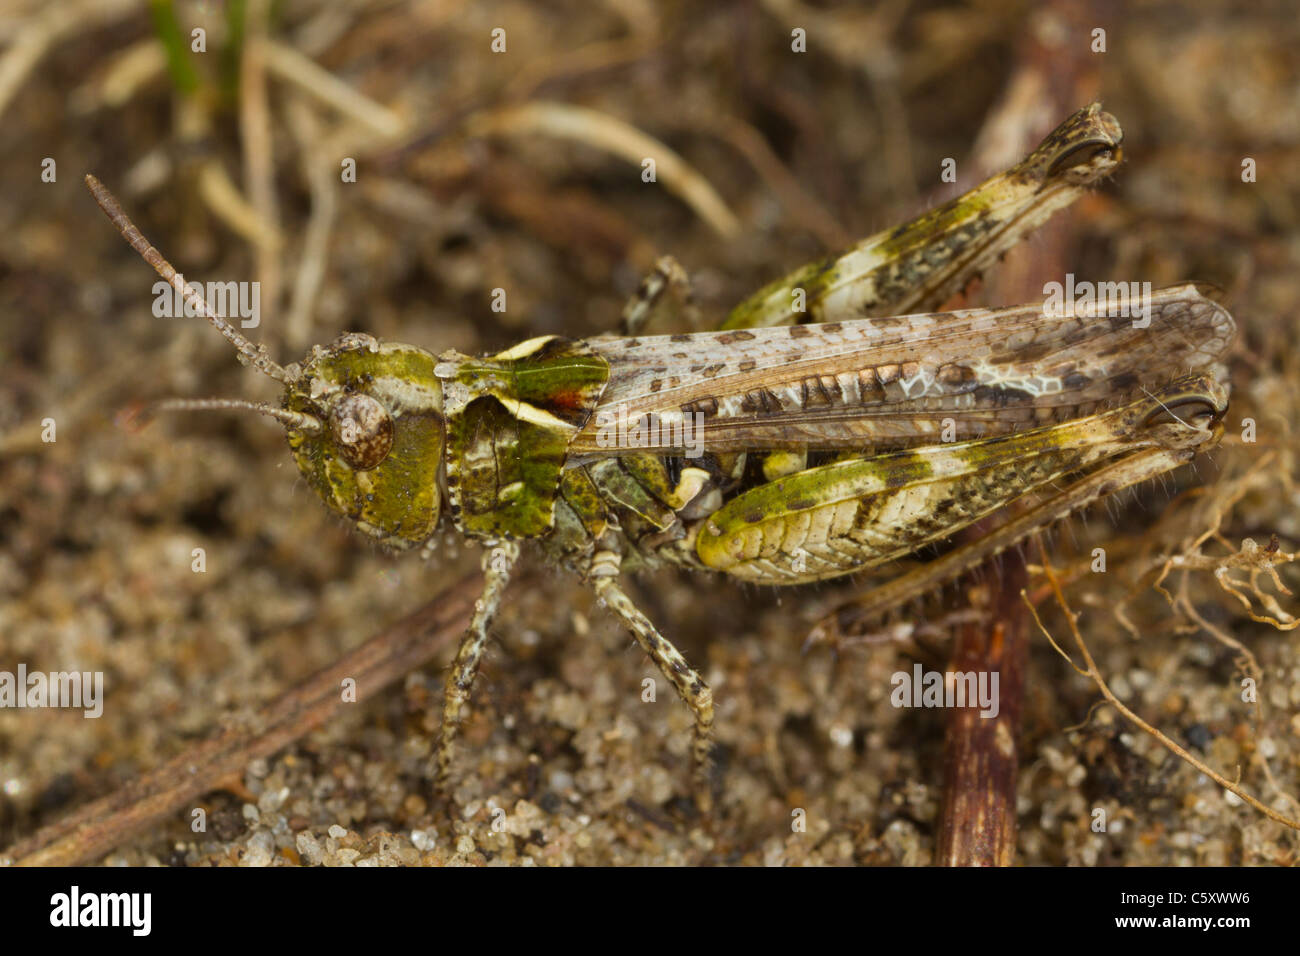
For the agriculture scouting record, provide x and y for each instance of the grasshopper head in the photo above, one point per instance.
(364, 419)
(369, 435)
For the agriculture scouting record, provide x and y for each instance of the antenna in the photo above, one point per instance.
(290, 419)
(254, 355)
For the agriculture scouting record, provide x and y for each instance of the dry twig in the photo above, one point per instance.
(1092, 671)
(97, 828)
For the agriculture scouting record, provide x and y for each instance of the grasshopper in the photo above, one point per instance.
(815, 435)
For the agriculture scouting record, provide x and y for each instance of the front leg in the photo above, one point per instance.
(498, 561)
(695, 693)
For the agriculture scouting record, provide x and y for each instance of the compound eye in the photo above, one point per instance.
(363, 430)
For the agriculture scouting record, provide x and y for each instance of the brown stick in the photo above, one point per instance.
(978, 826)
(97, 828)
(981, 759)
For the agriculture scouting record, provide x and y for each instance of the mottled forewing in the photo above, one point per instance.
(894, 382)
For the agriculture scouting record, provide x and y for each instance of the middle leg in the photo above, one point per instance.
(695, 693)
